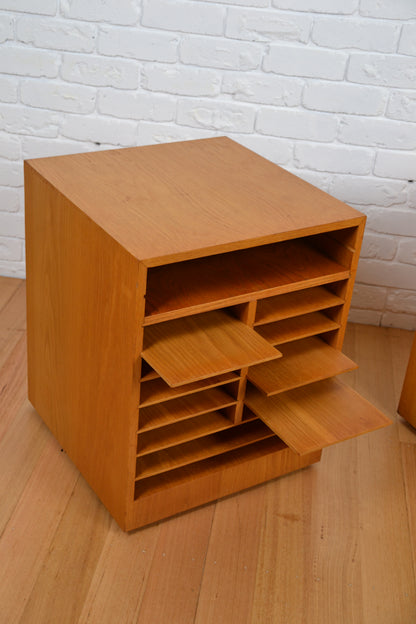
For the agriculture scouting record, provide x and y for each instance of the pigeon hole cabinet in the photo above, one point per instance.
(186, 306)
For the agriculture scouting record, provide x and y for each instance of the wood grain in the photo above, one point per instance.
(193, 348)
(407, 404)
(303, 362)
(317, 415)
(333, 543)
(295, 303)
(296, 328)
(157, 390)
(209, 283)
(179, 200)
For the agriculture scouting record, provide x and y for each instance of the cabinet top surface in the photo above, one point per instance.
(189, 199)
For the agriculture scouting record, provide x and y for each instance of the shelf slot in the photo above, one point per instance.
(303, 362)
(315, 416)
(157, 390)
(294, 304)
(208, 446)
(196, 347)
(296, 328)
(178, 433)
(209, 283)
(175, 410)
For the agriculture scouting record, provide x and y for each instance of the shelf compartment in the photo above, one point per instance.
(315, 416)
(196, 450)
(296, 328)
(189, 349)
(181, 408)
(178, 433)
(294, 304)
(209, 283)
(303, 362)
(157, 390)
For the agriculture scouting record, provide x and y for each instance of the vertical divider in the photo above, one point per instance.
(246, 312)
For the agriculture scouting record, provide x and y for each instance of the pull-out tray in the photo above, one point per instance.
(196, 347)
(317, 415)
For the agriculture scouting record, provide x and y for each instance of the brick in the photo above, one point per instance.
(181, 80)
(411, 196)
(188, 17)
(381, 247)
(123, 12)
(316, 178)
(10, 248)
(332, 158)
(399, 9)
(216, 115)
(23, 120)
(263, 88)
(379, 69)
(339, 33)
(369, 297)
(305, 61)
(250, 3)
(407, 251)
(13, 269)
(9, 200)
(403, 321)
(141, 45)
(394, 222)
(342, 7)
(377, 133)
(57, 96)
(381, 273)
(153, 107)
(402, 105)
(296, 124)
(28, 62)
(400, 165)
(12, 224)
(42, 7)
(34, 147)
(8, 89)
(279, 151)
(9, 147)
(401, 301)
(150, 133)
(367, 191)
(6, 28)
(344, 98)
(99, 130)
(56, 34)
(221, 53)
(365, 317)
(407, 43)
(11, 174)
(100, 72)
(267, 26)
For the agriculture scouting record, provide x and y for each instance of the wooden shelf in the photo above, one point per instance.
(296, 328)
(172, 411)
(222, 280)
(294, 304)
(157, 390)
(178, 433)
(190, 452)
(196, 347)
(303, 362)
(317, 415)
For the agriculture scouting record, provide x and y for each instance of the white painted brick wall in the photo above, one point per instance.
(325, 88)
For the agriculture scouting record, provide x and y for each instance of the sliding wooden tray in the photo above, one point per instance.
(317, 415)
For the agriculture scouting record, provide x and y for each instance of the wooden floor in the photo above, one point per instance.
(332, 544)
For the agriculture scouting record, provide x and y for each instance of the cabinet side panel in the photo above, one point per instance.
(407, 405)
(83, 304)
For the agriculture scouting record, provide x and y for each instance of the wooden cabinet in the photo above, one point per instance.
(407, 403)
(187, 305)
